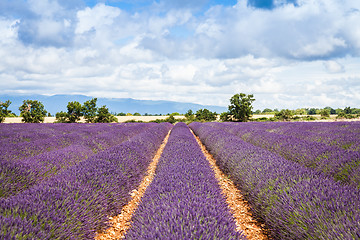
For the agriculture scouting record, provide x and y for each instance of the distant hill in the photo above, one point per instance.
(57, 103)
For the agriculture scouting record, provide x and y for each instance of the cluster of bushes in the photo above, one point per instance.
(4, 112)
(33, 111)
(88, 110)
(201, 115)
(239, 110)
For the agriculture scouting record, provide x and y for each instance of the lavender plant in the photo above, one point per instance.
(184, 201)
(17, 175)
(296, 202)
(340, 164)
(77, 202)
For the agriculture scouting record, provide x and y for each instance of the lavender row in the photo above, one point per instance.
(48, 137)
(77, 202)
(16, 176)
(184, 201)
(294, 201)
(332, 161)
(345, 135)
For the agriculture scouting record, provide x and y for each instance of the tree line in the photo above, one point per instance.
(240, 109)
(33, 111)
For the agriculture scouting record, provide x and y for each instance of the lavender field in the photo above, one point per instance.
(64, 181)
(301, 179)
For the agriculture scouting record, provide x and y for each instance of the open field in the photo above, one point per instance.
(294, 180)
(152, 118)
(120, 119)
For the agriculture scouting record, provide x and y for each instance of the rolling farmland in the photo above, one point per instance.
(65, 181)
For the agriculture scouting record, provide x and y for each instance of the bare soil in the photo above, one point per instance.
(239, 207)
(121, 223)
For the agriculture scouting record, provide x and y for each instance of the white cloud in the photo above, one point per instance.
(45, 8)
(95, 18)
(9, 31)
(286, 57)
(334, 67)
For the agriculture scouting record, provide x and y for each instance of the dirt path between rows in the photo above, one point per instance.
(238, 206)
(121, 223)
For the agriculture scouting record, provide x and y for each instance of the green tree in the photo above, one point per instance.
(325, 113)
(267, 110)
(205, 115)
(89, 110)
(284, 114)
(312, 111)
(225, 117)
(301, 111)
(62, 117)
(4, 112)
(347, 110)
(74, 111)
(240, 106)
(332, 111)
(32, 111)
(170, 119)
(137, 114)
(104, 116)
(190, 115)
(73, 114)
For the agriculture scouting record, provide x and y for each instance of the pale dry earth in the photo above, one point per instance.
(239, 207)
(120, 119)
(152, 118)
(121, 223)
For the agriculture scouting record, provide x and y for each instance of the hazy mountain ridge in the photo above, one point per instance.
(57, 103)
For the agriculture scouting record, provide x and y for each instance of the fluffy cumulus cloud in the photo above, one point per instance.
(288, 53)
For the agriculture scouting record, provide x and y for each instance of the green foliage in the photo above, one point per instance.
(225, 117)
(267, 110)
(73, 114)
(205, 115)
(74, 111)
(4, 112)
(331, 110)
(312, 111)
(342, 115)
(89, 110)
(121, 114)
(189, 115)
(240, 106)
(325, 113)
(284, 114)
(170, 119)
(32, 111)
(137, 114)
(301, 111)
(257, 112)
(347, 110)
(104, 116)
(62, 117)
(133, 121)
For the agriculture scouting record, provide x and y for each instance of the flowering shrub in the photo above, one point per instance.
(184, 201)
(77, 201)
(294, 201)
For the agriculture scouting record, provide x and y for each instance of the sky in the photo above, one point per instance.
(287, 53)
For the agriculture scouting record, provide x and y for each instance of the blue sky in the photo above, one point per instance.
(288, 53)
